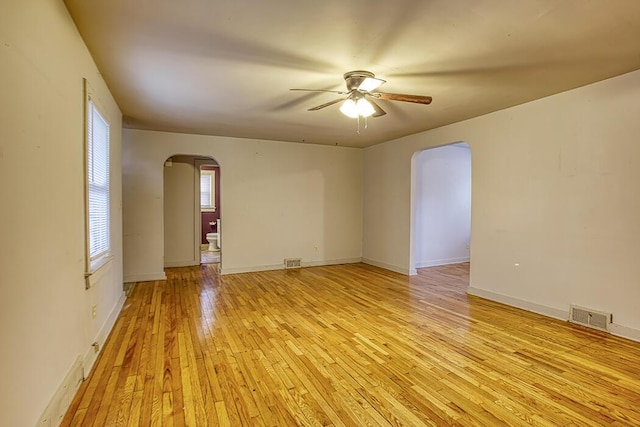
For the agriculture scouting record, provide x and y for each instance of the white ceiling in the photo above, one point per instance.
(225, 67)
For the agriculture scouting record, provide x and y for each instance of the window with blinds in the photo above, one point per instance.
(97, 184)
(207, 190)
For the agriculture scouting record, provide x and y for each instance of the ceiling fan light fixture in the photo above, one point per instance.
(360, 96)
(353, 109)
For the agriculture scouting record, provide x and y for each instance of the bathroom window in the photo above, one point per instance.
(208, 190)
(97, 187)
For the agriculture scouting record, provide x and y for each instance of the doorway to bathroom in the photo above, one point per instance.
(192, 211)
(441, 204)
(208, 190)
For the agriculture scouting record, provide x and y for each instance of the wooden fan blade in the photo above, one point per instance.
(326, 104)
(379, 111)
(322, 90)
(417, 99)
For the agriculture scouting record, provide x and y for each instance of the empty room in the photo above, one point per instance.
(338, 213)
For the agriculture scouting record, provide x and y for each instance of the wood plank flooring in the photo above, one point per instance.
(349, 345)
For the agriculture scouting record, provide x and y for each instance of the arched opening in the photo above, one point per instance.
(192, 211)
(441, 206)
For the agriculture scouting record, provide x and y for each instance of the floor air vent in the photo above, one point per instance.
(590, 318)
(292, 263)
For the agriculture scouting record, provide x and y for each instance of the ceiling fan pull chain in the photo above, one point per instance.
(358, 120)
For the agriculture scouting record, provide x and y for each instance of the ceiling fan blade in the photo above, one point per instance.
(379, 111)
(370, 84)
(417, 99)
(326, 104)
(322, 90)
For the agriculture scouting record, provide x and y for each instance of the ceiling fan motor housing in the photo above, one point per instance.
(353, 79)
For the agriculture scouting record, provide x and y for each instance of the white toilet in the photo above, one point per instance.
(212, 238)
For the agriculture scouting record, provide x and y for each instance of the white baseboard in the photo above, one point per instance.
(253, 269)
(187, 263)
(150, 277)
(397, 269)
(614, 328)
(625, 332)
(332, 262)
(437, 262)
(57, 407)
(515, 302)
(91, 355)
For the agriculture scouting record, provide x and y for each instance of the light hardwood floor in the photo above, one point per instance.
(349, 345)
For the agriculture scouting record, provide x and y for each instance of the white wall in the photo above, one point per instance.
(179, 213)
(442, 203)
(555, 190)
(45, 312)
(279, 200)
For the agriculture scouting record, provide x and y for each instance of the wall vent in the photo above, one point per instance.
(590, 318)
(292, 263)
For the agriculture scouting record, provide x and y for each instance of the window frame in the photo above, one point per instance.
(94, 262)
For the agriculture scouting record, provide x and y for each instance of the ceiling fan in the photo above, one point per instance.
(358, 99)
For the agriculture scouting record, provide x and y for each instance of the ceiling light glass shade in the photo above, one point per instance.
(353, 109)
(370, 83)
(349, 108)
(365, 109)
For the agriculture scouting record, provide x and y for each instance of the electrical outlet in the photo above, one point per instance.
(94, 311)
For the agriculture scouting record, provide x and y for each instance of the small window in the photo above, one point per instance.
(97, 187)
(208, 190)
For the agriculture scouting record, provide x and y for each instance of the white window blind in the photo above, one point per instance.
(207, 189)
(98, 183)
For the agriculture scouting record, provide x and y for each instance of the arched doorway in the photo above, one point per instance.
(188, 218)
(441, 206)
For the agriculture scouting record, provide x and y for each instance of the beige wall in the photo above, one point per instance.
(45, 311)
(555, 190)
(279, 200)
